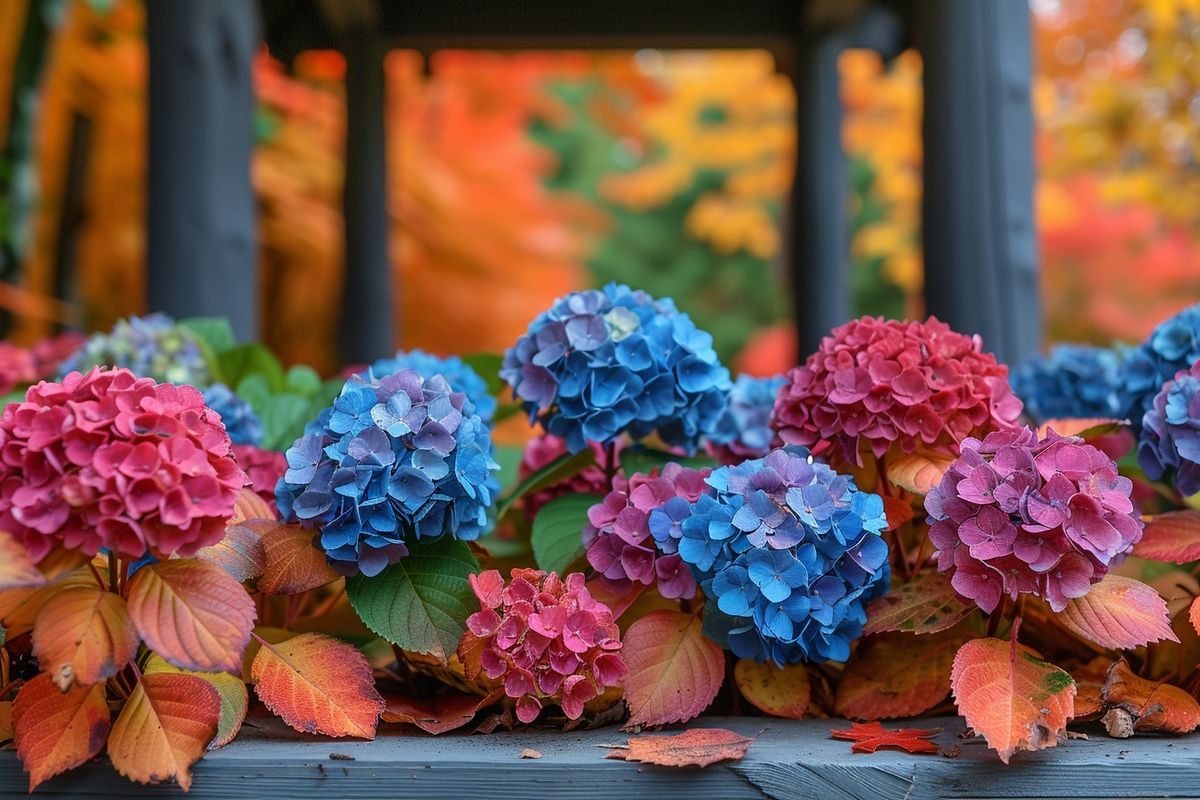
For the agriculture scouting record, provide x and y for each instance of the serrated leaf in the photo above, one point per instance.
(697, 747)
(557, 535)
(55, 731)
(872, 736)
(318, 684)
(19, 607)
(674, 672)
(83, 634)
(779, 691)
(1119, 613)
(919, 471)
(235, 700)
(1011, 697)
(422, 602)
(926, 604)
(17, 568)
(1154, 706)
(294, 563)
(1172, 536)
(164, 728)
(192, 613)
(896, 675)
(240, 552)
(559, 469)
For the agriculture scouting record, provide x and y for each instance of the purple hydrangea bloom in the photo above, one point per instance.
(789, 549)
(393, 459)
(1073, 381)
(1173, 346)
(1170, 440)
(459, 373)
(600, 363)
(1015, 513)
(744, 430)
(153, 346)
(241, 423)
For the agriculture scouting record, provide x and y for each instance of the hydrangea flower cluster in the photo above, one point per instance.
(241, 423)
(153, 346)
(545, 638)
(542, 450)
(111, 460)
(1072, 381)
(791, 550)
(1173, 346)
(17, 367)
(264, 468)
(878, 382)
(1170, 439)
(51, 352)
(461, 375)
(602, 363)
(744, 430)
(1015, 513)
(21, 366)
(395, 458)
(622, 530)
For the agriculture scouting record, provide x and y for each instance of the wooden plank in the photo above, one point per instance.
(789, 760)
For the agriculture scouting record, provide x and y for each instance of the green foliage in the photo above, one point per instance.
(557, 536)
(639, 458)
(559, 469)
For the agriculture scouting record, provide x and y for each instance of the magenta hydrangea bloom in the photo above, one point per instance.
(1016, 513)
(620, 535)
(110, 460)
(546, 639)
(875, 383)
(17, 367)
(542, 450)
(264, 468)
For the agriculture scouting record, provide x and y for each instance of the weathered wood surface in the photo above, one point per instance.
(788, 760)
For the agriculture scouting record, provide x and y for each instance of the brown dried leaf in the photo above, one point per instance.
(697, 747)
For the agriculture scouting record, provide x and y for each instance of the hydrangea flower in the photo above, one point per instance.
(1173, 346)
(1170, 439)
(51, 352)
(264, 468)
(393, 459)
(876, 383)
(623, 529)
(17, 367)
(542, 450)
(461, 375)
(604, 362)
(110, 460)
(153, 346)
(1072, 381)
(241, 423)
(744, 430)
(545, 638)
(1015, 513)
(788, 548)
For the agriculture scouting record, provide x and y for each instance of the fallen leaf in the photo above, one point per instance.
(17, 568)
(1089, 705)
(1171, 536)
(1154, 706)
(697, 747)
(240, 552)
(82, 635)
(926, 604)
(871, 736)
(778, 691)
(1119, 613)
(55, 731)
(1118, 723)
(918, 471)
(235, 700)
(293, 563)
(896, 675)
(529, 752)
(674, 671)
(439, 715)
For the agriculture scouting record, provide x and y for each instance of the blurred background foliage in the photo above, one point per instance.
(517, 177)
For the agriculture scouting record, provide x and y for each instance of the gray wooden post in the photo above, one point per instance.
(200, 221)
(980, 251)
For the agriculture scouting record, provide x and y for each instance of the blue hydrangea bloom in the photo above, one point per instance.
(462, 377)
(744, 430)
(1170, 439)
(395, 458)
(789, 549)
(153, 346)
(241, 423)
(601, 363)
(1173, 346)
(1072, 381)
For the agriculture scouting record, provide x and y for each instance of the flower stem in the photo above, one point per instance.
(610, 464)
(113, 572)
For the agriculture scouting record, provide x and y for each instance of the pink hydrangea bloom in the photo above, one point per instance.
(879, 383)
(1016, 513)
(110, 460)
(545, 638)
(619, 537)
(264, 468)
(17, 367)
(543, 449)
(50, 353)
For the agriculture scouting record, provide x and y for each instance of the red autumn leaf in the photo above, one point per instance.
(56, 731)
(697, 747)
(925, 604)
(294, 564)
(17, 568)
(82, 635)
(1154, 706)
(778, 691)
(898, 512)
(240, 552)
(439, 715)
(871, 736)
(896, 675)
(235, 700)
(1119, 613)
(674, 671)
(918, 471)
(1172, 536)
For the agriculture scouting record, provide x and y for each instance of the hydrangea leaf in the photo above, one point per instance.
(294, 563)
(240, 552)
(250, 506)
(19, 607)
(1154, 706)
(1172, 536)
(55, 731)
(697, 747)
(17, 568)
(237, 363)
(1119, 613)
(303, 380)
(235, 700)
(283, 418)
(557, 536)
(318, 684)
(422, 602)
(488, 366)
(925, 604)
(215, 332)
(559, 469)
(778, 691)
(918, 471)
(192, 613)
(1012, 698)
(6, 723)
(164, 728)
(896, 675)
(674, 672)
(82, 635)
(1194, 614)
(871, 736)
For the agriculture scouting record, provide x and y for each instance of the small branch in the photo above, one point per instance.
(96, 573)
(113, 572)
(610, 464)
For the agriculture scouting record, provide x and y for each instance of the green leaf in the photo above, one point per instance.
(255, 391)
(562, 467)
(283, 418)
(488, 367)
(509, 458)
(422, 602)
(639, 458)
(215, 332)
(303, 380)
(557, 536)
(239, 362)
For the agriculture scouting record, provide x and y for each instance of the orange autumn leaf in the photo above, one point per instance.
(778, 691)
(925, 604)
(17, 568)
(674, 671)
(1172, 536)
(6, 731)
(896, 675)
(1119, 613)
(1194, 615)
(697, 747)
(55, 731)
(1153, 706)
(1089, 705)
(240, 552)
(83, 634)
(19, 607)
(235, 700)
(192, 613)
(439, 715)
(249, 506)
(897, 511)
(294, 564)
(871, 736)
(318, 684)
(1013, 699)
(61, 561)
(164, 728)
(918, 471)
